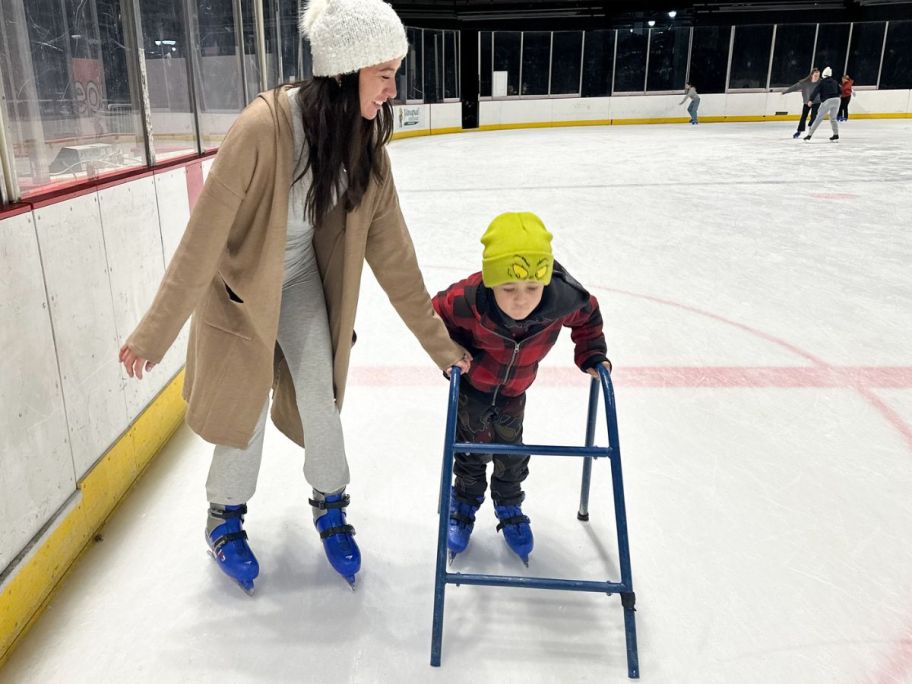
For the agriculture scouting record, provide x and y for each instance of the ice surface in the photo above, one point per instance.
(757, 296)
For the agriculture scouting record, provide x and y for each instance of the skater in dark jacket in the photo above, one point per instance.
(508, 317)
(829, 92)
(808, 106)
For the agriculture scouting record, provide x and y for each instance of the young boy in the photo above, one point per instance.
(508, 317)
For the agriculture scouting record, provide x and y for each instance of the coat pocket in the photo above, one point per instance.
(223, 309)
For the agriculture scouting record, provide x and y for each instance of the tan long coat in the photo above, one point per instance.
(234, 243)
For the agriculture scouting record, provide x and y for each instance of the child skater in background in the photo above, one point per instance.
(508, 316)
(690, 93)
(845, 86)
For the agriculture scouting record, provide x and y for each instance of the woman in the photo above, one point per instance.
(806, 85)
(845, 97)
(299, 195)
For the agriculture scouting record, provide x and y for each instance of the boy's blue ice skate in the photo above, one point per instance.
(461, 523)
(516, 530)
(228, 546)
(341, 550)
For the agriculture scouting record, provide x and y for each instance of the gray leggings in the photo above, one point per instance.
(305, 341)
(829, 107)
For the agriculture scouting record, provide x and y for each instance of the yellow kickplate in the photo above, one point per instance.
(27, 592)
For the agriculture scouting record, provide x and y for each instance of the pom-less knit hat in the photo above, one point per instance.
(348, 35)
(517, 246)
(827, 72)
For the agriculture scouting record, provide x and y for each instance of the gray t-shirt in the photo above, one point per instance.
(299, 253)
(692, 94)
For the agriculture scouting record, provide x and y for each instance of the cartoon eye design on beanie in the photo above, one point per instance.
(521, 269)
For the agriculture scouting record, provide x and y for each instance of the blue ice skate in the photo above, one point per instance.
(341, 550)
(228, 546)
(461, 523)
(516, 530)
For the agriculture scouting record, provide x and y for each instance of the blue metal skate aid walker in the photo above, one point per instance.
(624, 588)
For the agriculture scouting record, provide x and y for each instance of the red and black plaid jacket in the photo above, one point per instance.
(506, 353)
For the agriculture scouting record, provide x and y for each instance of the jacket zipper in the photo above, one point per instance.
(507, 374)
(512, 358)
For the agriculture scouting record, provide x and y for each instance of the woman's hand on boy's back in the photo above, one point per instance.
(133, 363)
(594, 371)
(465, 362)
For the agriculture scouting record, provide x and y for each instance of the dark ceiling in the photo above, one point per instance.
(538, 14)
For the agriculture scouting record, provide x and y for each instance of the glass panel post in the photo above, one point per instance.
(260, 26)
(845, 67)
(239, 45)
(769, 70)
(883, 48)
(814, 51)
(193, 52)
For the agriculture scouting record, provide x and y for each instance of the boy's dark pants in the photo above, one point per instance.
(477, 420)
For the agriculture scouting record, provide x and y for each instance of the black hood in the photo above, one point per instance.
(561, 297)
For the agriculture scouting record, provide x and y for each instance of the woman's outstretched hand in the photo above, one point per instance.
(134, 363)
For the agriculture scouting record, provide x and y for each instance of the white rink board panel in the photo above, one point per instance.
(173, 215)
(530, 111)
(129, 219)
(446, 115)
(880, 101)
(790, 103)
(710, 105)
(76, 272)
(745, 104)
(640, 107)
(581, 109)
(173, 208)
(36, 467)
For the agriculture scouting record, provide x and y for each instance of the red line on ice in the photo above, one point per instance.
(674, 376)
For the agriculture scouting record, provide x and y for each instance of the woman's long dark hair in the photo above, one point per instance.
(339, 141)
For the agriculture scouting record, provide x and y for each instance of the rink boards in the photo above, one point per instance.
(81, 270)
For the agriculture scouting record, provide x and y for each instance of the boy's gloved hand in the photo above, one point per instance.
(594, 373)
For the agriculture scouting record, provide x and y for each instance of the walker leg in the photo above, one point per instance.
(633, 662)
(583, 513)
(437, 632)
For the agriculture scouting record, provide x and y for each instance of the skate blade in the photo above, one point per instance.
(246, 586)
(451, 557)
(351, 581)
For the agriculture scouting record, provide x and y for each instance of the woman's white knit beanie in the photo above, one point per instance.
(348, 35)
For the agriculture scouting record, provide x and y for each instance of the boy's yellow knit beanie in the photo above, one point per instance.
(517, 246)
